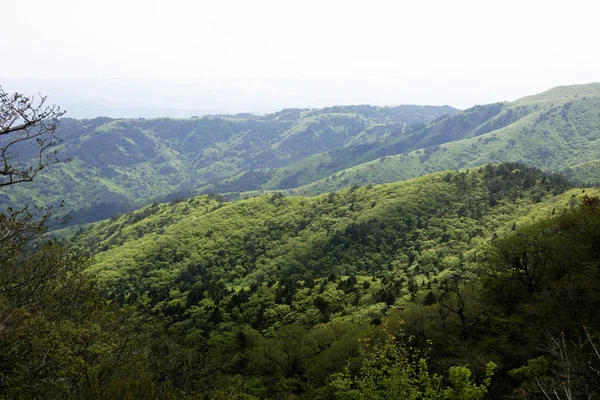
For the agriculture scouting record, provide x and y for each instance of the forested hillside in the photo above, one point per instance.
(449, 286)
(123, 164)
(280, 291)
(557, 131)
(120, 165)
(471, 282)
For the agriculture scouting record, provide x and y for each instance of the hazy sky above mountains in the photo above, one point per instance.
(313, 52)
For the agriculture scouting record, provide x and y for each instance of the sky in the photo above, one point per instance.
(458, 52)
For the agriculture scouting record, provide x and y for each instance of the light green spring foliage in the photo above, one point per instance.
(273, 297)
(398, 242)
(279, 290)
(392, 369)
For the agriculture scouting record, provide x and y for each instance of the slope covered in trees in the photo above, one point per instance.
(339, 232)
(120, 165)
(125, 163)
(455, 285)
(557, 131)
(280, 291)
(449, 286)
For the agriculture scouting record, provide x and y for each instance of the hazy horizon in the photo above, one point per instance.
(152, 98)
(234, 56)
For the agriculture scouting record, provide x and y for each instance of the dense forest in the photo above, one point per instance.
(462, 284)
(429, 286)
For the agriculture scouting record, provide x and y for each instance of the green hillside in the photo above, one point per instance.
(585, 173)
(273, 266)
(458, 126)
(454, 285)
(126, 163)
(420, 228)
(120, 165)
(557, 131)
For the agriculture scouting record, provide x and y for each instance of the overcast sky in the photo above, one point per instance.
(381, 52)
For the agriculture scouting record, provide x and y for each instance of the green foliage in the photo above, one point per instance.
(586, 174)
(545, 278)
(120, 165)
(59, 336)
(403, 290)
(371, 292)
(278, 292)
(388, 368)
(565, 371)
(555, 131)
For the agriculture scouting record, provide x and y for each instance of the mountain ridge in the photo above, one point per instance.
(544, 137)
(123, 164)
(120, 164)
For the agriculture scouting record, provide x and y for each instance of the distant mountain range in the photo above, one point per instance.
(557, 131)
(185, 98)
(121, 164)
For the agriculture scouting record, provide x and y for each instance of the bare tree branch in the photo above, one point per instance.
(26, 123)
